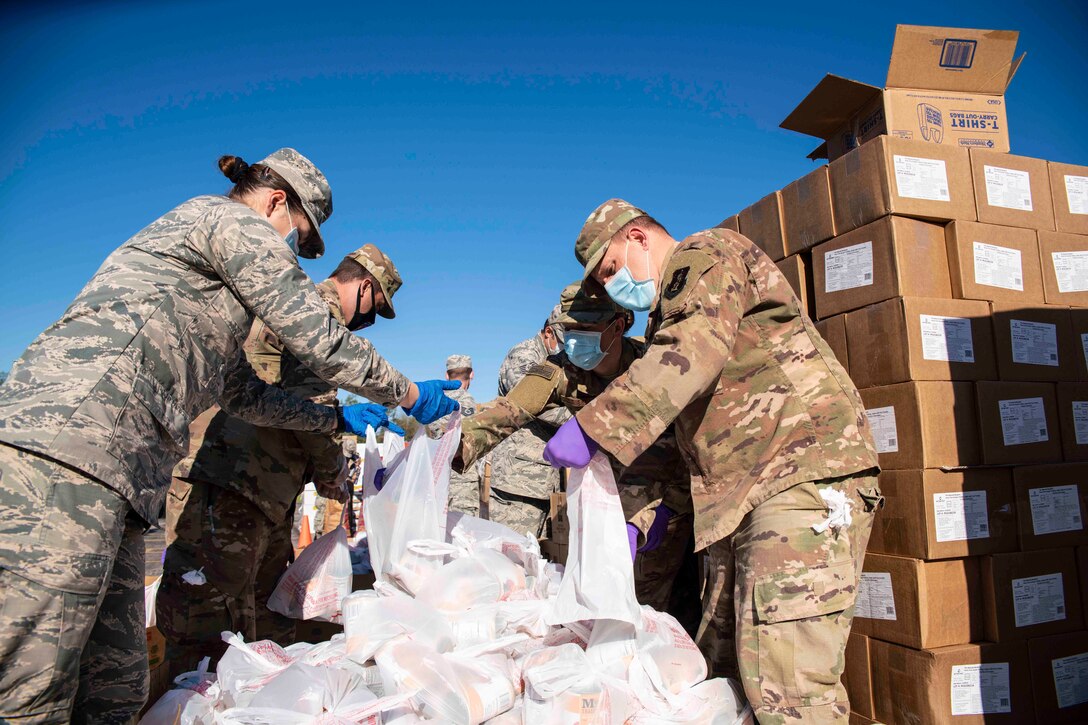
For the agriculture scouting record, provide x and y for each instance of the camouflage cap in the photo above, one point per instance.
(456, 362)
(309, 183)
(557, 312)
(600, 227)
(375, 261)
(580, 307)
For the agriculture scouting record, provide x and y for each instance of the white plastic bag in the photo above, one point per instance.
(313, 586)
(246, 667)
(371, 621)
(150, 592)
(712, 702)
(562, 688)
(391, 445)
(179, 707)
(667, 654)
(372, 463)
(485, 577)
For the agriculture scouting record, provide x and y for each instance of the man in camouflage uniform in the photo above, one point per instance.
(230, 506)
(96, 413)
(782, 462)
(464, 487)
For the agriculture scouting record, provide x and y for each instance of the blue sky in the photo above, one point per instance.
(469, 141)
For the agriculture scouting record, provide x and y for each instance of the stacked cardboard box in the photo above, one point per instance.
(951, 280)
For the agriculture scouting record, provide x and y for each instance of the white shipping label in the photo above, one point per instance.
(1023, 421)
(1009, 188)
(1034, 343)
(1071, 271)
(981, 689)
(998, 267)
(947, 338)
(1038, 599)
(848, 267)
(1076, 191)
(1080, 421)
(882, 424)
(917, 178)
(1071, 679)
(1055, 509)
(960, 516)
(875, 599)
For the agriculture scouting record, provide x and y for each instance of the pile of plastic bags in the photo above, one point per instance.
(467, 623)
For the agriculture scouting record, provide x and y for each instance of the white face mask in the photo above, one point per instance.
(292, 236)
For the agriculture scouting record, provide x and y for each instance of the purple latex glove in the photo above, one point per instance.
(632, 539)
(656, 534)
(570, 447)
(379, 479)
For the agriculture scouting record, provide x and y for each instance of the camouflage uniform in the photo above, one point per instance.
(768, 421)
(464, 486)
(109, 390)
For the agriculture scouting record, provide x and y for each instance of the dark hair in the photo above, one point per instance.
(462, 374)
(349, 271)
(642, 222)
(249, 178)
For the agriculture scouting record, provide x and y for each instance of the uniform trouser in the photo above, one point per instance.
(779, 601)
(72, 641)
(465, 494)
(656, 571)
(523, 514)
(241, 554)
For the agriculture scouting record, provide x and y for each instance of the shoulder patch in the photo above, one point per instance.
(533, 391)
(684, 271)
(544, 370)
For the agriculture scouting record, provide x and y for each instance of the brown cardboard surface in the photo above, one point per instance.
(856, 718)
(806, 208)
(1070, 195)
(797, 268)
(912, 686)
(1014, 583)
(995, 263)
(1014, 440)
(1082, 572)
(952, 59)
(1051, 504)
(902, 257)
(732, 223)
(1072, 250)
(856, 677)
(762, 223)
(935, 602)
(1012, 190)
(1034, 344)
(1073, 420)
(896, 176)
(1071, 670)
(833, 330)
(932, 514)
(1079, 317)
(936, 424)
(921, 338)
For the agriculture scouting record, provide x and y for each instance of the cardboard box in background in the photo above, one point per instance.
(833, 330)
(1059, 677)
(1064, 259)
(892, 257)
(1030, 594)
(924, 424)
(806, 209)
(1050, 505)
(762, 223)
(1082, 572)
(1079, 317)
(994, 263)
(921, 338)
(732, 223)
(1033, 344)
(932, 514)
(1018, 423)
(856, 677)
(1069, 187)
(1073, 420)
(797, 268)
(1012, 190)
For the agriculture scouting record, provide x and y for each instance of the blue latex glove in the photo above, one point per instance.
(357, 417)
(656, 534)
(432, 403)
(632, 539)
(379, 479)
(570, 447)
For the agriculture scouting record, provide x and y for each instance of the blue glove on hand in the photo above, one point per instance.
(632, 539)
(357, 417)
(432, 403)
(656, 534)
(570, 447)
(379, 479)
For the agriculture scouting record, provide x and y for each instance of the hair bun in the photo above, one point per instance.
(233, 167)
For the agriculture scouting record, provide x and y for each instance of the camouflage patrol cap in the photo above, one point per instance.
(557, 312)
(580, 307)
(456, 362)
(375, 261)
(309, 183)
(600, 227)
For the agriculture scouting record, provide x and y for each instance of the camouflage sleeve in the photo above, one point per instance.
(492, 423)
(259, 268)
(253, 400)
(326, 454)
(517, 362)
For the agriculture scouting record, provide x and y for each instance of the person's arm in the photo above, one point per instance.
(253, 400)
(492, 423)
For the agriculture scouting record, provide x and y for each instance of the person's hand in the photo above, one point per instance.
(570, 447)
(336, 489)
(357, 417)
(379, 479)
(632, 539)
(656, 535)
(432, 403)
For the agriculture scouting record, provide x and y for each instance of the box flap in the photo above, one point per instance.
(952, 59)
(829, 106)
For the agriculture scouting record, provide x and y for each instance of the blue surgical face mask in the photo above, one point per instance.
(584, 348)
(626, 292)
(292, 236)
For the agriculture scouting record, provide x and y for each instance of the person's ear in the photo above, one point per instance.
(638, 236)
(274, 199)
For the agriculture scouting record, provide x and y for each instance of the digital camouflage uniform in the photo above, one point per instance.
(464, 486)
(101, 403)
(768, 422)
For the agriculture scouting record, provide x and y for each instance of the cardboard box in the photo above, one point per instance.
(1030, 594)
(833, 330)
(1034, 344)
(994, 263)
(762, 223)
(732, 223)
(1082, 572)
(156, 647)
(856, 677)
(920, 604)
(797, 269)
(924, 424)
(1069, 187)
(894, 176)
(933, 514)
(967, 684)
(1073, 420)
(1079, 317)
(1018, 423)
(1050, 505)
(1064, 259)
(892, 257)
(921, 338)
(806, 208)
(966, 70)
(1059, 677)
(1012, 190)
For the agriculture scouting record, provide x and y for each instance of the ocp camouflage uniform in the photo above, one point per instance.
(768, 422)
(102, 401)
(464, 486)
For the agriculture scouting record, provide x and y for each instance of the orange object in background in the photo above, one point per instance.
(305, 536)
